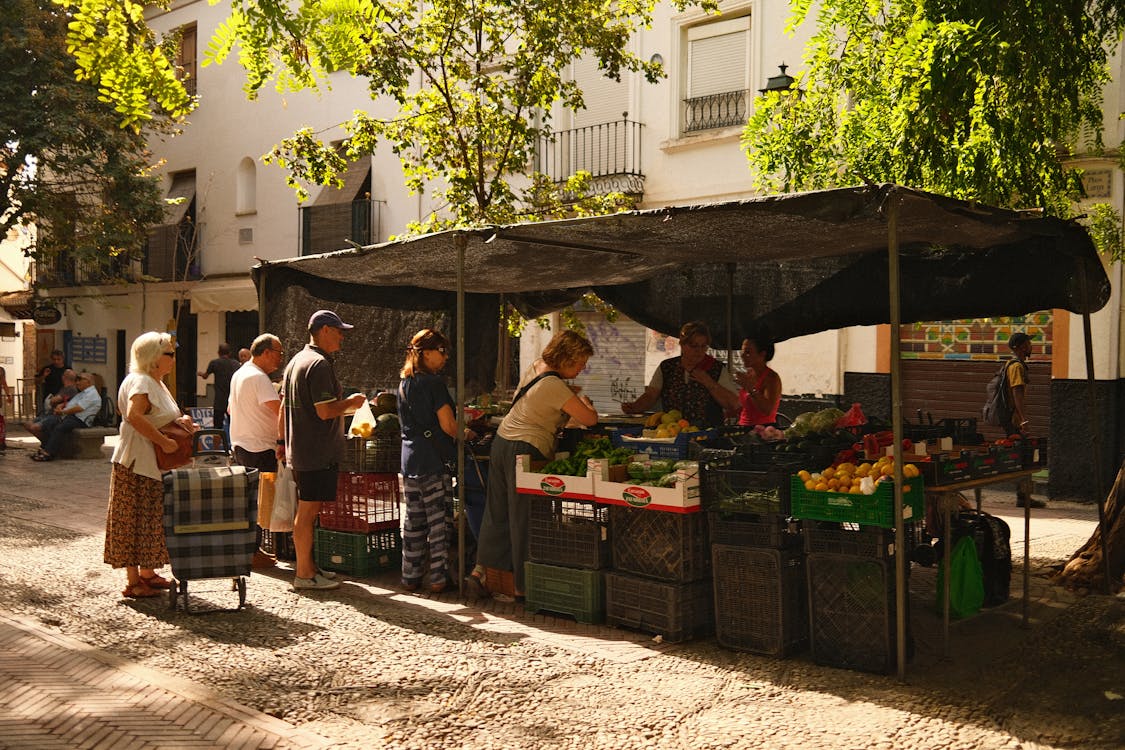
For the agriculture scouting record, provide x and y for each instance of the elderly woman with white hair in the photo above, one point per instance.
(134, 533)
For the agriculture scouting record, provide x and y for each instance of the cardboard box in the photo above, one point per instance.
(681, 498)
(529, 482)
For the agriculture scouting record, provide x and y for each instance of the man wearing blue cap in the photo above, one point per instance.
(311, 435)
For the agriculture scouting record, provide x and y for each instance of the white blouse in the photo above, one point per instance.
(133, 449)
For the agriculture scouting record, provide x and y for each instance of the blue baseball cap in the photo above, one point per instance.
(322, 318)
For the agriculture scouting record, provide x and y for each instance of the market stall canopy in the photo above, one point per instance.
(789, 264)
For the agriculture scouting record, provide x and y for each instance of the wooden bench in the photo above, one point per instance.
(86, 442)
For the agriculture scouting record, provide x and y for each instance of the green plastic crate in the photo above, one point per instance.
(569, 591)
(358, 554)
(870, 510)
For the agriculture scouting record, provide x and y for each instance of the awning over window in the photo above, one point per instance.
(354, 177)
(183, 186)
(17, 304)
(224, 295)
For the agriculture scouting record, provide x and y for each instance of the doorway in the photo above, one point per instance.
(187, 353)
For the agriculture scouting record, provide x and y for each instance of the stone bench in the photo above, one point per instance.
(86, 442)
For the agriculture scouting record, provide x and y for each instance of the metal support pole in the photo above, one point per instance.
(900, 558)
(730, 318)
(1095, 440)
(462, 241)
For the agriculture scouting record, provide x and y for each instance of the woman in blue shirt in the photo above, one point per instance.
(429, 427)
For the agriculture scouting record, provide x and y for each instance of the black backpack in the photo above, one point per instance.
(996, 410)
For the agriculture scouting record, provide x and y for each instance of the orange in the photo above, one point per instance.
(821, 486)
(804, 475)
(810, 484)
(828, 473)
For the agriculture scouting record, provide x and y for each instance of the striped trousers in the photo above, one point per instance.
(423, 528)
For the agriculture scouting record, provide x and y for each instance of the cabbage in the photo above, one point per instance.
(802, 424)
(825, 420)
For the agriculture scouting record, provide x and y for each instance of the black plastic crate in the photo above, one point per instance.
(1033, 452)
(757, 482)
(572, 533)
(853, 540)
(279, 544)
(674, 611)
(963, 430)
(770, 530)
(852, 613)
(666, 546)
(761, 604)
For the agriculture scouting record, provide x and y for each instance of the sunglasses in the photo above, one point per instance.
(168, 354)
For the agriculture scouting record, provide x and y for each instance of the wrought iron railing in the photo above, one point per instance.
(64, 270)
(716, 110)
(334, 226)
(610, 149)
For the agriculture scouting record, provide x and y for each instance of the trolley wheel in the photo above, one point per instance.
(241, 583)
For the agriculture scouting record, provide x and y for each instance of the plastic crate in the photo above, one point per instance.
(1008, 458)
(498, 581)
(358, 554)
(674, 611)
(684, 445)
(853, 540)
(574, 533)
(570, 591)
(364, 503)
(963, 430)
(947, 469)
(871, 510)
(756, 483)
(279, 544)
(1033, 452)
(665, 546)
(381, 453)
(761, 604)
(852, 613)
(770, 530)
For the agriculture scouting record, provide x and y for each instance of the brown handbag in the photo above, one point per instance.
(184, 448)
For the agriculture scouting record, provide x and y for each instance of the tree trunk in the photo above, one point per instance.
(1086, 567)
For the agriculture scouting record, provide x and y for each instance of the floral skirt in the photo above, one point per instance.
(134, 525)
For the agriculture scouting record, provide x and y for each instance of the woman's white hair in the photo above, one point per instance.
(147, 348)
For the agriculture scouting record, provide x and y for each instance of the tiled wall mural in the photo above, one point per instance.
(981, 339)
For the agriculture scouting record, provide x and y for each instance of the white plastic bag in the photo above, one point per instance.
(363, 421)
(284, 500)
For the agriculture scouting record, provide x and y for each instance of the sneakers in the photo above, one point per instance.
(1034, 503)
(326, 574)
(316, 583)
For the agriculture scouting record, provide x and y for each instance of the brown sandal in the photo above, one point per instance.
(156, 581)
(139, 590)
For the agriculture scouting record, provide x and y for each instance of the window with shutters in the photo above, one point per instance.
(172, 249)
(716, 77)
(185, 58)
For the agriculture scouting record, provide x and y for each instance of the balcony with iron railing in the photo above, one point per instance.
(610, 152)
(172, 252)
(724, 110)
(336, 226)
(63, 270)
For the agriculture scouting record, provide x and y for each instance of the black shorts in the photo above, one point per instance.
(262, 461)
(316, 486)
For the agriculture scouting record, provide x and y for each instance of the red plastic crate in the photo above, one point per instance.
(364, 503)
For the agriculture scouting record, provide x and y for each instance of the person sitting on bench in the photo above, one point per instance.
(79, 411)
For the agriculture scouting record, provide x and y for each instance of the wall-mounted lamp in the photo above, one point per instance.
(782, 82)
(656, 59)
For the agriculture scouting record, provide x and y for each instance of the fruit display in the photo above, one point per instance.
(861, 479)
(575, 464)
(667, 424)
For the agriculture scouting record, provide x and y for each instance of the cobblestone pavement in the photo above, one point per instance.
(368, 665)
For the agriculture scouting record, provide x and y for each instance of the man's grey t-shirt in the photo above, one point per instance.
(314, 444)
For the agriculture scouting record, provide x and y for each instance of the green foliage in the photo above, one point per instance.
(64, 162)
(490, 74)
(133, 71)
(977, 99)
(1104, 224)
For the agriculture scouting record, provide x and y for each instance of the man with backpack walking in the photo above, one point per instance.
(1017, 381)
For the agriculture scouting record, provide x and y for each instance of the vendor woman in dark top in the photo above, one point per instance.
(429, 427)
(695, 383)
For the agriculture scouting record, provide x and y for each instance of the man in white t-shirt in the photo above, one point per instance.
(253, 406)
